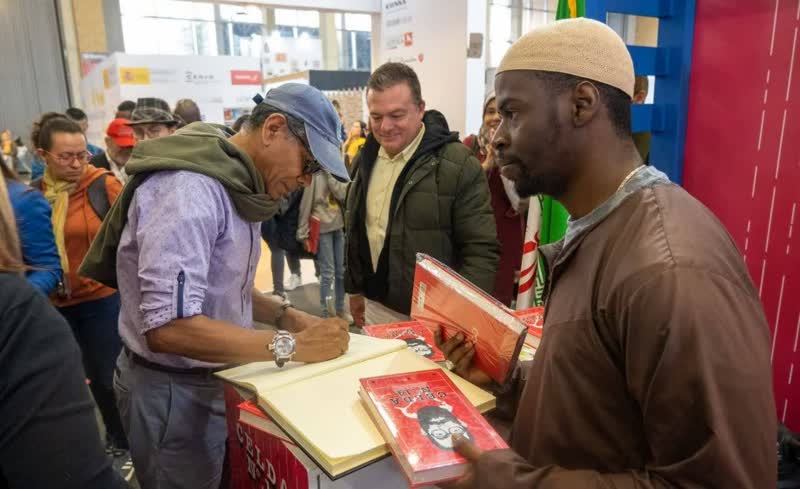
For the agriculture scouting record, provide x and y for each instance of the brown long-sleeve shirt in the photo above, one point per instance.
(654, 369)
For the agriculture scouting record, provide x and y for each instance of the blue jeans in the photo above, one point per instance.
(94, 324)
(276, 261)
(330, 258)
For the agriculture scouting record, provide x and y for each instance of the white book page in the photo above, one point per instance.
(265, 377)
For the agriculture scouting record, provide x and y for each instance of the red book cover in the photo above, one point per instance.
(442, 298)
(313, 234)
(534, 320)
(418, 413)
(260, 454)
(418, 337)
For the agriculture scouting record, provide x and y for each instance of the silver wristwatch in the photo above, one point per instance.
(282, 347)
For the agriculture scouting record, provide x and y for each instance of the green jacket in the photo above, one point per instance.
(440, 206)
(199, 147)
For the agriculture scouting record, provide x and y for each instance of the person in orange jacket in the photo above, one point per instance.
(80, 196)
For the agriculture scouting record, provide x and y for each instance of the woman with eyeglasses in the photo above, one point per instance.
(80, 195)
(37, 164)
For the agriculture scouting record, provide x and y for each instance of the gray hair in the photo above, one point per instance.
(263, 111)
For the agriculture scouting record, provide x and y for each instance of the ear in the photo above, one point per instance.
(585, 103)
(270, 128)
(422, 107)
(42, 154)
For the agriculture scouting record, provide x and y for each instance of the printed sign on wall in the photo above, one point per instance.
(245, 77)
(134, 76)
(412, 33)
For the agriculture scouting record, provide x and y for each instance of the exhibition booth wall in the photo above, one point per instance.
(222, 86)
(742, 158)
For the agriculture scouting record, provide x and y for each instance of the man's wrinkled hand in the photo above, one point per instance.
(461, 352)
(324, 339)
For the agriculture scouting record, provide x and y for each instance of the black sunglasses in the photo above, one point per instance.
(312, 166)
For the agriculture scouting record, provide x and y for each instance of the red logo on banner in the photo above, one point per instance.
(408, 39)
(245, 77)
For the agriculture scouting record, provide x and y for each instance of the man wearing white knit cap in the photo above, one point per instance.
(654, 367)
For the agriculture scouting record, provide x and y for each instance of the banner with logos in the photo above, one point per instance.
(222, 86)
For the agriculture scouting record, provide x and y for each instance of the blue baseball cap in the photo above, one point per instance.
(320, 119)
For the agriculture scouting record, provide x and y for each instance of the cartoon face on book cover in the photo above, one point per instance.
(419, 346)
(423, 411)
(417, 336)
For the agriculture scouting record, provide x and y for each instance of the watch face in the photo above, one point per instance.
(284, 347)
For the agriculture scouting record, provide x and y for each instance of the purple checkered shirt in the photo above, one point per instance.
(184, 251)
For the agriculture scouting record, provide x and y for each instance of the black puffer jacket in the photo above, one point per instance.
(440, 206)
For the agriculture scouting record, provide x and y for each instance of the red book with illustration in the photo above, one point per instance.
(442, 298)
(418, 413)
(418, 337)
(534, 320)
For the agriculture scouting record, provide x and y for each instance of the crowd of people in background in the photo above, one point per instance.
(61, 188)
(146, 252)
(150, 118)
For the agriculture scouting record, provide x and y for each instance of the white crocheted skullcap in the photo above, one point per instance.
(580, 47)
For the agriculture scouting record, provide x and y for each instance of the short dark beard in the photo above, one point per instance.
(554, 185)
(553, 180)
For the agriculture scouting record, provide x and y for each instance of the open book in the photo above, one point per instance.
(318, 405)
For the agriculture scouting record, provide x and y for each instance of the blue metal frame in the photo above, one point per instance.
(670, 63)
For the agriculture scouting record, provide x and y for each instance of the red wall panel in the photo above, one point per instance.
(743, 157)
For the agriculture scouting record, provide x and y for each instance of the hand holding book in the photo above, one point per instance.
(460, 352)
(420, 415)
(444, 300)
(472, 453)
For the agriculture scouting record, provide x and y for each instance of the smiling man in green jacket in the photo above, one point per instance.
(416, 189)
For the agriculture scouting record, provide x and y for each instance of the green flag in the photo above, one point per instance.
(568, 9)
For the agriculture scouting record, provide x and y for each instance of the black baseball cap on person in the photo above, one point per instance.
(320, 119)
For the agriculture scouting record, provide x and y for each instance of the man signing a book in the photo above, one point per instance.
(184, 241)
(654, 367)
